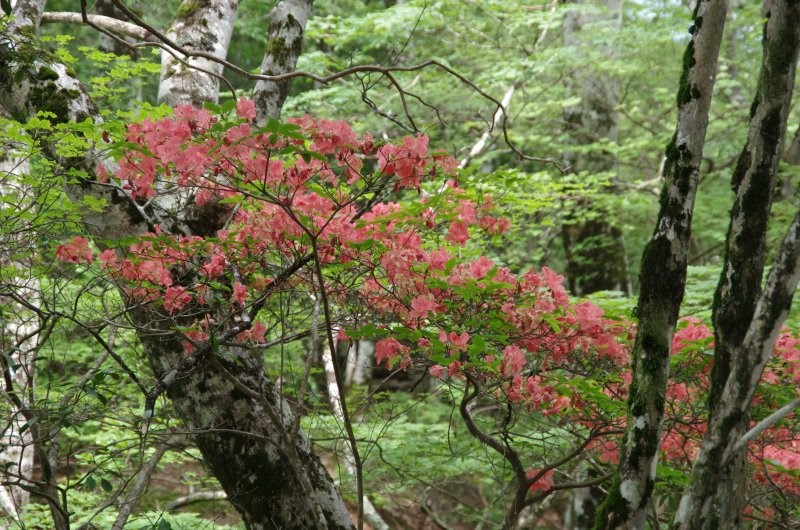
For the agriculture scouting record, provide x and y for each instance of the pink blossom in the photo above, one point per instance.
(437, 370)
(76, 251)
(388, 349)
(438, 259)
(786, 458)
(256, 333)
(239, 294)
(215, 267)
(458, 233)
(108, 258)
(555, 282)
(453, 367)
(467, 212)
(513, 360)
(422, 305)
(176, 298)
(246, 108)
(543, 483)
(693, 331)
(480, 267)
(459, 340)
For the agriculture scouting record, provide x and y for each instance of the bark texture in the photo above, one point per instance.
(245, 431)
(242, 424)
(203, 26)
(740, 309)
(19, 331)
(663, 276)
(287, 24)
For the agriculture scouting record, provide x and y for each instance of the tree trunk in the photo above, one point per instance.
(663, 276)
(18, 336)
(202, 27)
(287, 24)
(245, 431)
(243, 426)
(593, 245)
(737, 355)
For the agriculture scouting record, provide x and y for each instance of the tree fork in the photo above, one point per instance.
(663, 276)
(746, 320)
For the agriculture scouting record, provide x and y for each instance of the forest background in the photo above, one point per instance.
(575, 166)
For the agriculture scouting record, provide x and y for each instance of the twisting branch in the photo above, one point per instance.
(170, 46)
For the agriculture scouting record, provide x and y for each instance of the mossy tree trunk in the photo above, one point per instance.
(663, 276)
(746, 317)
(249, 437)
(287, 24)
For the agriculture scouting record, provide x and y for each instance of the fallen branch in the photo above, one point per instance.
(199, 496)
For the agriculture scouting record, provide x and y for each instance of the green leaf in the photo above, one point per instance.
(95, 204)
(106, 485)
(552, 322)
(6, 7)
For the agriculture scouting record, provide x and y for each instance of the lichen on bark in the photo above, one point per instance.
(663, 274)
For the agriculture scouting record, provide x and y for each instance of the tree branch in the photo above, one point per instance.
(766, 423)
(100, 22)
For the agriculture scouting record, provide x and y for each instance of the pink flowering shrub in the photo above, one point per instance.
(310, 194)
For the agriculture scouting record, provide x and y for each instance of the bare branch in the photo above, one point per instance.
(766, 423)
(480, 145)
(386, 70)
(141, 483)
(116, 26)
(198, 496)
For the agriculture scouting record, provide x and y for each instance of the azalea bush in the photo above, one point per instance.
(381, 233)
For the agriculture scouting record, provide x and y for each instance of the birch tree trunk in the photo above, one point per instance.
(203, 27)
(663, 276)
(746, 320)
(242, 425)
(18, 337)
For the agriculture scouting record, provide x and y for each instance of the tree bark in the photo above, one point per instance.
(199, 26)
(738, 293)
(18, 337)
(241, 423)
(287, 24)
(663, 276)
(244, 429)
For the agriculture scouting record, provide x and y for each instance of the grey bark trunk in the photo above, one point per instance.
(287, 24)
(739, 303)
(663, 276)
(18, 338)
(245, 431)
(203, 27)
